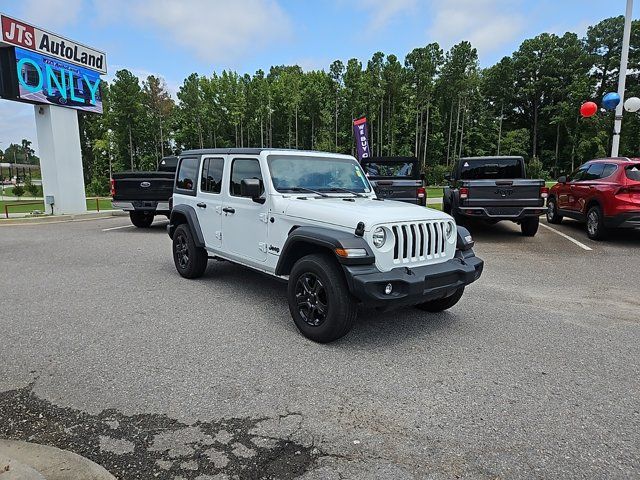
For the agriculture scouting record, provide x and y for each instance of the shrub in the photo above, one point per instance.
(98, 187)
(535, 169)
(34, 190)
(18, 191)
(435, 174)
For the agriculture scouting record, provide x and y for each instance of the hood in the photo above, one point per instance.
(337, 211)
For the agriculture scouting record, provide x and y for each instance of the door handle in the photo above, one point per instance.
(202, 205)
(229, 210)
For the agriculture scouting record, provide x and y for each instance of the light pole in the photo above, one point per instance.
(624, 57)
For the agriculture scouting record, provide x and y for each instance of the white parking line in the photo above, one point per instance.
(564, 235)
(116, 228)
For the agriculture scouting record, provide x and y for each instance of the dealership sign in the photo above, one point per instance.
(23, 35)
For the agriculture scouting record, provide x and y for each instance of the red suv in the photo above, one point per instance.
(602, 193)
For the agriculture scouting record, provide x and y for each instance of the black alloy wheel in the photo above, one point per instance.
(182, 250)
(311, 299)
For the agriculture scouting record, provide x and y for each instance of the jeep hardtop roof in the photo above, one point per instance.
(250, 151)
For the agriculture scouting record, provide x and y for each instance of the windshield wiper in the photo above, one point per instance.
(346, 190)
(305, 189)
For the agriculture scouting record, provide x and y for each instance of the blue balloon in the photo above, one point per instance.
(611, 100)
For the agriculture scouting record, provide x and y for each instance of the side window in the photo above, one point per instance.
(594, 172)
(242, 168)
(211, 179)
(578, 174)
(609, 170)
(187, 174)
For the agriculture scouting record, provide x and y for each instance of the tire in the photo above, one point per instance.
(595, 224)
(319, 300)
(552, 212)
(529, 226)
(190, 261)
(141, 219)
(441, 304)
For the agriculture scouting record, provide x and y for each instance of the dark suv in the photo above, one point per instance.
(603, 194)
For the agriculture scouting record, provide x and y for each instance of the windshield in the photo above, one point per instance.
(389, 169)
(490, 168)
(313, 173)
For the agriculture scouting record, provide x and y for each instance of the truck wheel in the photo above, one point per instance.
(319, 300)
(190, 261)
(595, 224)
(441, 304)
(141, 219)
(529, 226)
(552, 212)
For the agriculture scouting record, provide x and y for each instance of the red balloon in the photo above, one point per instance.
(588, 109)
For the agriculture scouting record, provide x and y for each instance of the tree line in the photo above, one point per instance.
(435, 105)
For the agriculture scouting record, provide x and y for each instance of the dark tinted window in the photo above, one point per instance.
(211, 180)
(577, 174)
(633, 172)
(389, 169)
(243, 168)
(187, 173)
(609, 169)
(594, 172)
(490, 168)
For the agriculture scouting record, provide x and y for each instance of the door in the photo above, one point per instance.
(244, 220)
(209, 204)
(566, 196)
(584, 188)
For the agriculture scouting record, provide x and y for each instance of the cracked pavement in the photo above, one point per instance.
(108, 352)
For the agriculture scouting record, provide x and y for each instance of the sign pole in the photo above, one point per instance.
(624, 57)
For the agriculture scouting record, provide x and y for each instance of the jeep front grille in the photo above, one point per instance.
(418, 241)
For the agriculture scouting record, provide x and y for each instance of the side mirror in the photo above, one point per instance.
(251, 188)
(562, 179)
(422, 177)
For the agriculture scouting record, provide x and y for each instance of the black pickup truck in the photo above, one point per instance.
(494, 189)
(396, 178)
(144, 194)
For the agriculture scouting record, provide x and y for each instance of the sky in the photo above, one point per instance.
(174, 38)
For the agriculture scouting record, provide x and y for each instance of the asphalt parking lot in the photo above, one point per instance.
(105, 350)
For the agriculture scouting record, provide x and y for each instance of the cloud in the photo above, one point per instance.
(488, 24)
(215, 30)
(52, 13)
(383, 11)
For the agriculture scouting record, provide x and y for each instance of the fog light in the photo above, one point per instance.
(388, 289)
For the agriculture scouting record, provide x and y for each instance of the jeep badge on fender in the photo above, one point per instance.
(313, 219)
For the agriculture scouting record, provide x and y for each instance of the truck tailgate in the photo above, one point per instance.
(143, 186)
(403, 190)
(503, 193)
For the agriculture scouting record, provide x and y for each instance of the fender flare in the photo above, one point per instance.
(186, 214)
(324, 238)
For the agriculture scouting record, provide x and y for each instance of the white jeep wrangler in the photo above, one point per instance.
(312, 219)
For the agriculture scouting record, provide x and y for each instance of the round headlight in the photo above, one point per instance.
(379, 237)
(449, 230)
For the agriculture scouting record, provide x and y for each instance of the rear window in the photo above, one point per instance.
(389, 169)
(633, 172)
(490, 168)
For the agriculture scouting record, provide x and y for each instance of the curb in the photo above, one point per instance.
(63, 218)
(31, 461)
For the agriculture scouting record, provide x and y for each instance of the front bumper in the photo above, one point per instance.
(413, 285)
(623, 220)
(502, 213)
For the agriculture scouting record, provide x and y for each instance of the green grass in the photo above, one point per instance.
(434, 192)
(26, 206)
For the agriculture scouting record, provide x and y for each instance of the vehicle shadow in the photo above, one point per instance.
(373, 328)
(622, 236)
(487, 231)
